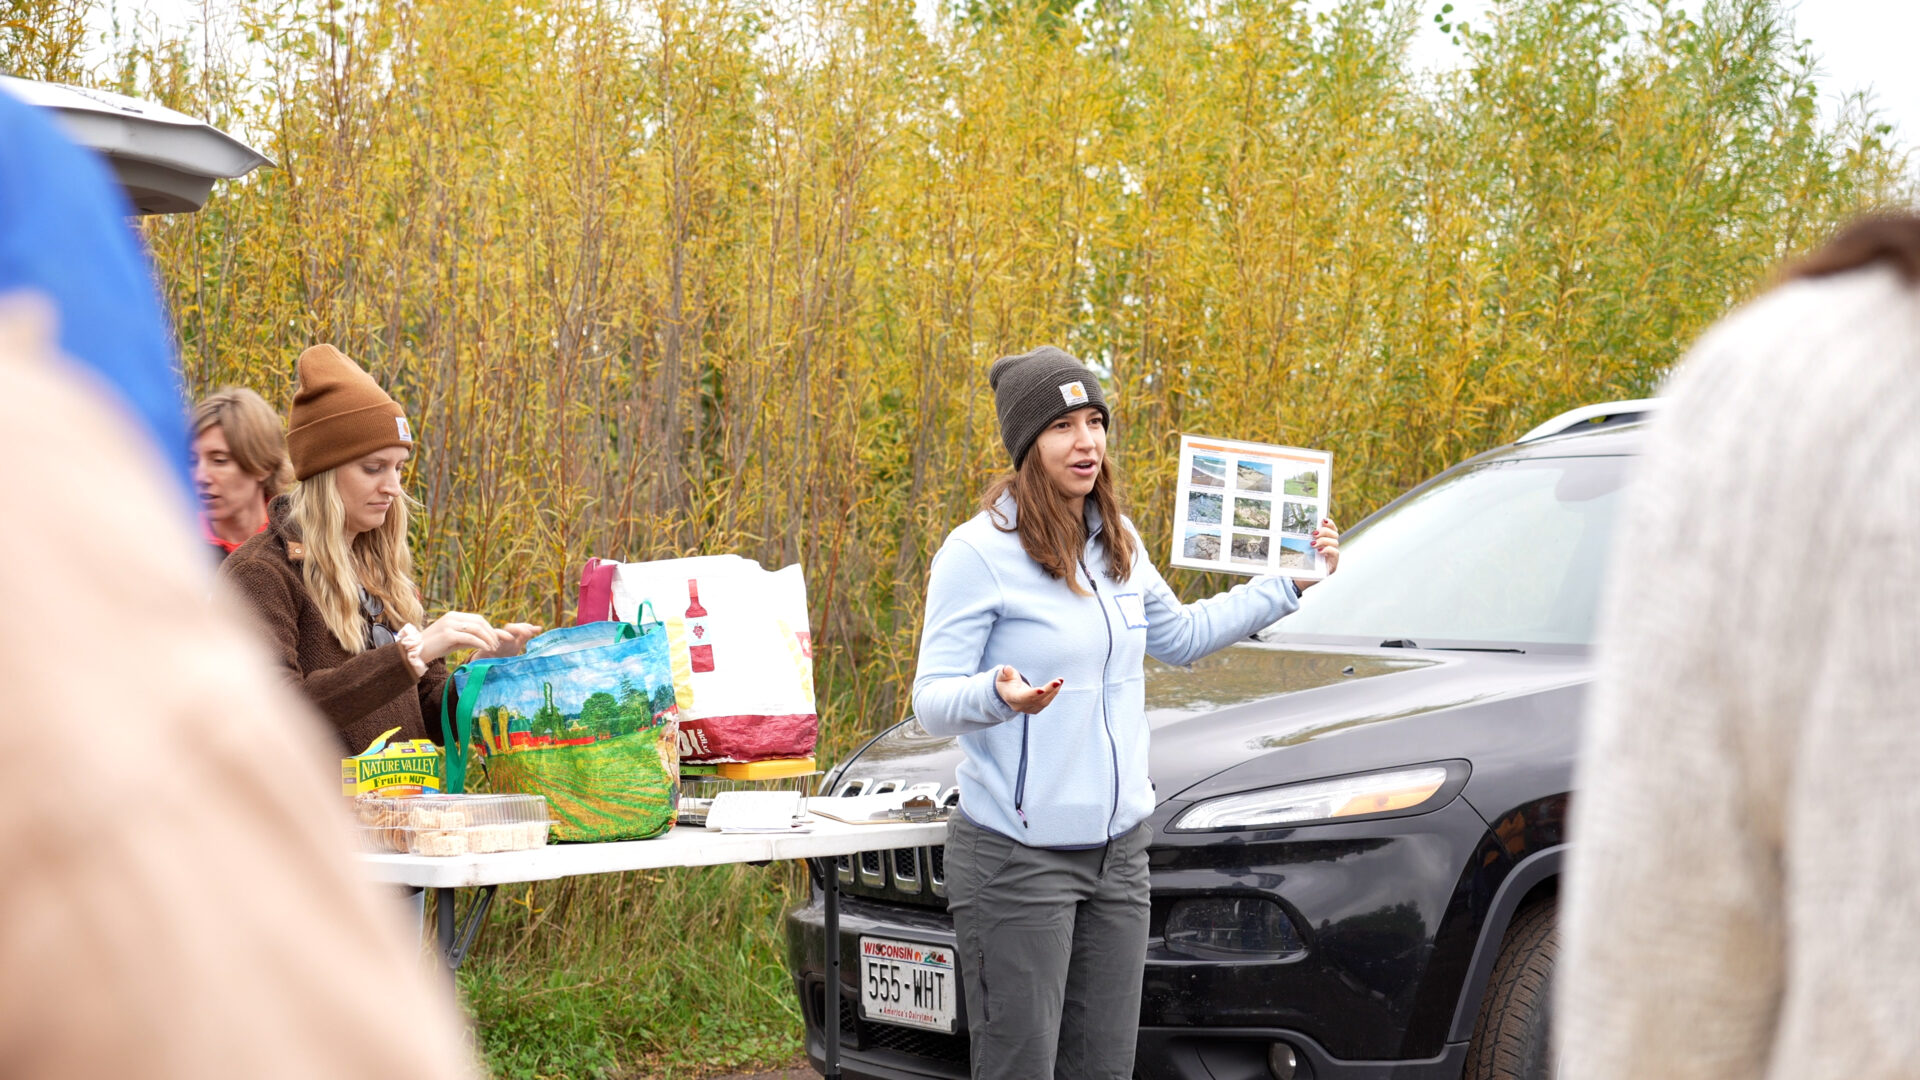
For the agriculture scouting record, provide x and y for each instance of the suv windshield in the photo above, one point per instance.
(1508, 553)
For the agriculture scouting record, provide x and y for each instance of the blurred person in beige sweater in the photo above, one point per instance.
(179, 900)
(1744, 894)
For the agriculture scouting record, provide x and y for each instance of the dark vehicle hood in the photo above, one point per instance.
(1258, 714)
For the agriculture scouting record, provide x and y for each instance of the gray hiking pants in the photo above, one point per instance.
(1052, 948)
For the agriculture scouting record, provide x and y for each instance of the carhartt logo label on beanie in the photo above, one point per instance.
(1033, 389)
(406, 433)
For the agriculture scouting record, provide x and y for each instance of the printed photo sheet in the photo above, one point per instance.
(1249, 508)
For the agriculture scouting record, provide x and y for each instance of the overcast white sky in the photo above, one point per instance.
(1863, 45)
(1869, 45)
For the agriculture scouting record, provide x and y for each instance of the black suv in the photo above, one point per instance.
(1361, 819)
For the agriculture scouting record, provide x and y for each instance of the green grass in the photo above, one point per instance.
(673, 974)
(678, 974)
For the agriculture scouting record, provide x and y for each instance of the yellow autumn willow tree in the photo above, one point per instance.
(670, 276)
(664, 277)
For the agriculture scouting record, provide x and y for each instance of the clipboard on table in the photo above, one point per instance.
(890, 808)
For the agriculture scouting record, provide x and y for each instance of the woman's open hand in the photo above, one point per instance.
(513, 639)
(1326, 540)
(1022, 697)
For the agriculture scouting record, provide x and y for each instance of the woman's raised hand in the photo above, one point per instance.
(513, 640)
(1022, 697)
(458, 630)
(1326, 540)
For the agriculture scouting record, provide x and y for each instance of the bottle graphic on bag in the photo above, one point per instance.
(699, 644)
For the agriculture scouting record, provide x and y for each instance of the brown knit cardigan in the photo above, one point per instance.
(361, 694)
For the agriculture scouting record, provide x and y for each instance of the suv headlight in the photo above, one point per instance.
(1319, 800)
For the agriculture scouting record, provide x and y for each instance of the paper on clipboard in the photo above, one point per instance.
(1250, 508)
(757, 811)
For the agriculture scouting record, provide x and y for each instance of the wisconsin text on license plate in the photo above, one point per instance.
(905, 982)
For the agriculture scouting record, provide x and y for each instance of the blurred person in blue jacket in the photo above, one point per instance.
(180, 898)
(64, 234)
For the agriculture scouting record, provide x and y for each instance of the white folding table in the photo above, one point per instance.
(684, 846)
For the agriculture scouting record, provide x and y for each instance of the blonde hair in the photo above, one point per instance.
(338, 567)
(254, 435)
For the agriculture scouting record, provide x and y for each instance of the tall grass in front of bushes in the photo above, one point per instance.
(674, 973)
(658, 277)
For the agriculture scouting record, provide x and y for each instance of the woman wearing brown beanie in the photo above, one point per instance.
(332, 577)
(239, 463)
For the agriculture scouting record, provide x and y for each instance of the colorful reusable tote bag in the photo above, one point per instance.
(586, 717)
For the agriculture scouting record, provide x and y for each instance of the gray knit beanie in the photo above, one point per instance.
(1034, 389)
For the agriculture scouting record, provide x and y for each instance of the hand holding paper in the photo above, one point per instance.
(1326, 541)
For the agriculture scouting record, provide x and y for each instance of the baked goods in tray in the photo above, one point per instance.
(444, 825)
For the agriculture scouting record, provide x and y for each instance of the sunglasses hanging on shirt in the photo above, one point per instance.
(378, 635)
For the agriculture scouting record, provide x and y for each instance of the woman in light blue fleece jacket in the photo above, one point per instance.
(1046, 862)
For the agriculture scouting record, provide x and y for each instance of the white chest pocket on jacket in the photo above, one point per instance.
(1133, 610)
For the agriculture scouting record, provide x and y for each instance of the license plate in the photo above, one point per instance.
(905, 982)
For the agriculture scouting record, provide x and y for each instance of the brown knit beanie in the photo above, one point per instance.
(1033, 389)
(339, 414)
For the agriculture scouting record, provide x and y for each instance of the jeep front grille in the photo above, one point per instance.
(916, 875)
(906, 869)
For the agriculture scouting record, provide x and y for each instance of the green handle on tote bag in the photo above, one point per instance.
(462, 728)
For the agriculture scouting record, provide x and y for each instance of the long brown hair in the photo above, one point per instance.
(1048, 529)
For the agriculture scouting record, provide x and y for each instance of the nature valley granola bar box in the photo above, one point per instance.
(402, 768)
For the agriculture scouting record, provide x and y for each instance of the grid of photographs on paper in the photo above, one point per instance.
(1250, 508)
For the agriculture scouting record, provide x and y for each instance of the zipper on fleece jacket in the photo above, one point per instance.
(1020, 784)
(1106, 714)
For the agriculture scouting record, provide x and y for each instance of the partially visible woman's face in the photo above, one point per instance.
(368, 488)
(225, 489)
(1071, 450)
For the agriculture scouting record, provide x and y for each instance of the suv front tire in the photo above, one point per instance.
(1512, 1039)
